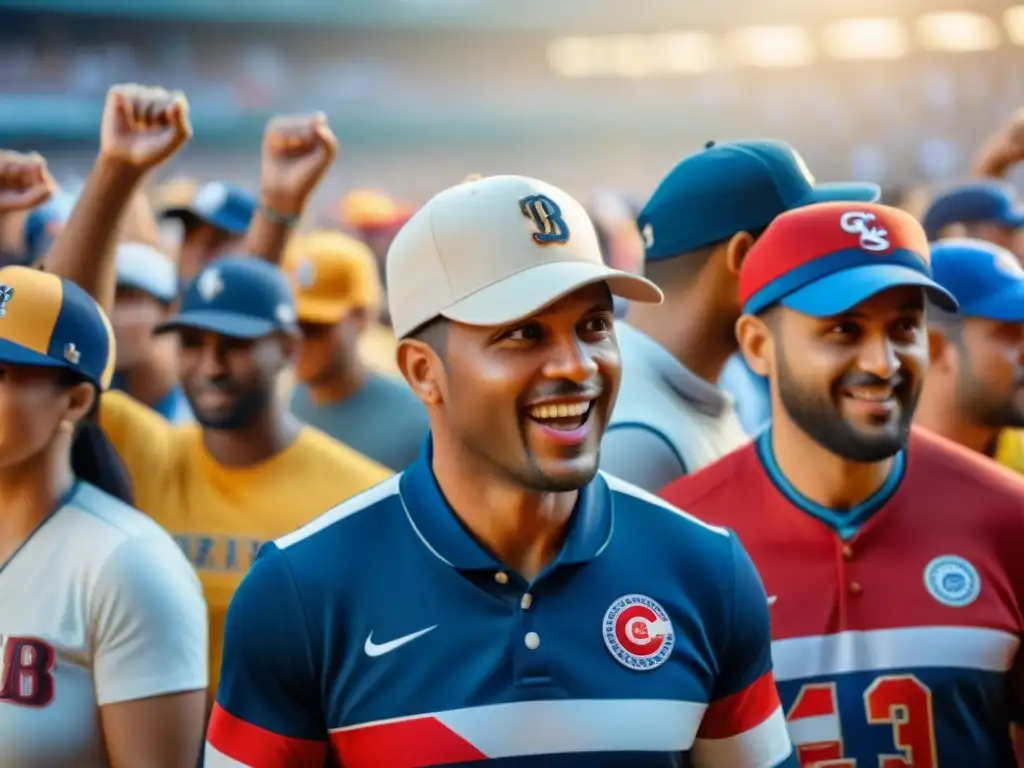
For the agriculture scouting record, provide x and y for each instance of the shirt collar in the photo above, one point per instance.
(703, 395)
(439, 528)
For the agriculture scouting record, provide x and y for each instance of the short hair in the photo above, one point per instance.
(433, 333)
(683, 268)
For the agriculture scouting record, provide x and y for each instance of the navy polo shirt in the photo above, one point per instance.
(383, 635)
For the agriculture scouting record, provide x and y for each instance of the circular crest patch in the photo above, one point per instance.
(952, 581)
(638, 633)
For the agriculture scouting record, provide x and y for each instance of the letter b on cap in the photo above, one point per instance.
(547, 218)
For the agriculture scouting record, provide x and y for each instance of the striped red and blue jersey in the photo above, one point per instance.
(896, 624)
(382, 635)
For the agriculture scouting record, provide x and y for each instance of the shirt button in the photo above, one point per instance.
(526, 602)
(855, 588)
(532, 640)
(501, 577)
(848, 552)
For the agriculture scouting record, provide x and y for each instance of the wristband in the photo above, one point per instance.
(278, 218)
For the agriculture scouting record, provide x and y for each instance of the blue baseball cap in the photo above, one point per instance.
(219, 204)
(238, 296)
(986, 280)
(979, 201)
(733, 187)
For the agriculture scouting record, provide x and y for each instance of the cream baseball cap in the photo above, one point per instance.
(496, 249)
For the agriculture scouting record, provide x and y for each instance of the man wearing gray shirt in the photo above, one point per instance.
(337, 293)
(670, 418)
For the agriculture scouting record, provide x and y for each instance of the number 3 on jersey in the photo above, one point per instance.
(900, 701)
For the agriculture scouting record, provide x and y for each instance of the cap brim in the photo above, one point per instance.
(530, 290)
(839, 192)
(16, 354)
(178, 213)
(1006, 306)
(189, 216)
(845, 289)
(1014, 218)
(222, 323)
(310, 309)
(160, 293)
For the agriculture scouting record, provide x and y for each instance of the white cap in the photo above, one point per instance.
(494, 250)
(145, 268)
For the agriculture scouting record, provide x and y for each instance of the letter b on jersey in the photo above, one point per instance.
(25, 674)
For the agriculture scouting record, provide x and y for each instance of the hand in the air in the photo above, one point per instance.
(143, 126)
(25, 181)
(297, 151)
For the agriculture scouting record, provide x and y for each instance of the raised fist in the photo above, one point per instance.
(25, 182)
(1015, 135)
(143, 126)
(297, 151)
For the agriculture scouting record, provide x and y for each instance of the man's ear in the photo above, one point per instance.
(736, 250)
(941, 352)
(757, 345)
(423, 370)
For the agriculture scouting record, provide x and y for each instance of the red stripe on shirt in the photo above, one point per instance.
(740, 711)
(415, 743)
(259, 748)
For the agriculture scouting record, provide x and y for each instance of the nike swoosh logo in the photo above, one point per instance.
(373, 649)
(772, 599)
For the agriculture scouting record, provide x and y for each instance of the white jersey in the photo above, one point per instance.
(99, 606)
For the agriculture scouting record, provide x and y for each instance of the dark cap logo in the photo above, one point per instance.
(6, 294)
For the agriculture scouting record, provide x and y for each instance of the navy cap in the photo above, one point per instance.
(238, 296)
(986, 280)
(733, 187)
(979, 201)
(219, 204)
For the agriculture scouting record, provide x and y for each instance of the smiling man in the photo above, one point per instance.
(975, 389)
(502, 599)
(891, 556)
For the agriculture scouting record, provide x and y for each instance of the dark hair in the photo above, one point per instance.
(93, 458)
(433, 333)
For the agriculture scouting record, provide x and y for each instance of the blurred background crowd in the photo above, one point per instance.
(589, 93)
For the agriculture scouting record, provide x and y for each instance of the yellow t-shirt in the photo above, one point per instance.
(221, 515)
(1010, 449)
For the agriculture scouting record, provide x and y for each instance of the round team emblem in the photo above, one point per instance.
(638, 632)
(952, 581)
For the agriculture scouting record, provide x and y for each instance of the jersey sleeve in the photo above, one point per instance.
(744, 726)
(150, 623)
(268, 712)
(640, 456)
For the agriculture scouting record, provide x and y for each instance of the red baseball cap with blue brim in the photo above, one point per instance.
(826, 258)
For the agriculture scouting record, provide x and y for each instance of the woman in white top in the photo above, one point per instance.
(102, 621)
